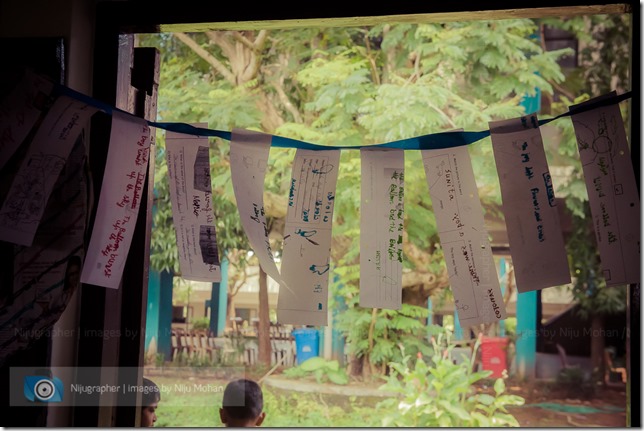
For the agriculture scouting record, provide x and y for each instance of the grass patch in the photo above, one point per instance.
(180, 409)
(188, 409)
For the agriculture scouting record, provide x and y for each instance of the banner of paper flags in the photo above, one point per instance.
(533, 226)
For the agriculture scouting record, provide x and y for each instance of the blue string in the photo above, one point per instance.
(432, 141)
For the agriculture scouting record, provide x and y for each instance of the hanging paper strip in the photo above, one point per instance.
(307, 238)
(118, 208)
(382, 216)
(534, 231)
(188, 161)
(47, 274)
(463, 236)
(249, 153)
(19, 111)
(23, 208)
(612, 190)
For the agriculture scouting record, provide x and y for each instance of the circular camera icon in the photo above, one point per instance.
(44, 389)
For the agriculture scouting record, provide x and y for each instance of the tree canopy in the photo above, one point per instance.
(357, 86)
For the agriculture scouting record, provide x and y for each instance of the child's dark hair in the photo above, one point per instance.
(243, 399)
(151, 393)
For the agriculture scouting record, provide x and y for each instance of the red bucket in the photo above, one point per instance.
(493, 355)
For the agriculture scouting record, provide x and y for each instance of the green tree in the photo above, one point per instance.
(351, 86)
(604, 53)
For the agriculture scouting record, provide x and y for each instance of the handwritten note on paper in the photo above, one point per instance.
(612, 191)
(249, 153)
(381, 228)
(463, 236)
(23, 208)
(307, 238)
(19, 111)
(188, 163)
(118, 206)
(531, 217)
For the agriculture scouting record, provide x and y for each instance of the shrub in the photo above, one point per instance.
(321, 369)
(201, 324)
(441, 393)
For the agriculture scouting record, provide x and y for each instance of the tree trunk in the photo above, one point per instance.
(597, 344)
(263, 329)
(355, 366)
(230, 310)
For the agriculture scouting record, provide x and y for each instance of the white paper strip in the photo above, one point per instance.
(381, 228)
(47, 274)
(249, 153)
(534, 231)
(188, 163)
(19, 111)
(23, 208)
(118, 207)
(612, 191)
(307, 238)
(463, 236)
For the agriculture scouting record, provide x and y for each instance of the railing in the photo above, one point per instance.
(236, 348)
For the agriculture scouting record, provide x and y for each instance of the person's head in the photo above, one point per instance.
(242, 404)
(150, 400)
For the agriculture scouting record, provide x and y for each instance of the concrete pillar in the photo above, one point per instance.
(164, 341)
(337, 344)
(152, 317)
(458, 329)
(504, 283)
(219, 302)
(526, 334)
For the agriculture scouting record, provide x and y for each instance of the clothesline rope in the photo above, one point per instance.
(431, 141)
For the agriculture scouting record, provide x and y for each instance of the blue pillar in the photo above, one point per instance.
(458, 329)
(532, 103)
(504, 283)
(526, 334)
(430, 313)
(337, 346)
(164, 342)
(219, 301)
(527, 302)
(152, 314)
(337, 343)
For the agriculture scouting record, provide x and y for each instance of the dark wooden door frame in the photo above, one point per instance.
(112, 322)
(118, 18)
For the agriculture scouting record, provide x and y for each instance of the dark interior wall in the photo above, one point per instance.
(54, 38)
(46, 56)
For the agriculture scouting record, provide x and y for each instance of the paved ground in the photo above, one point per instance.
(546, 407)
(328, 389)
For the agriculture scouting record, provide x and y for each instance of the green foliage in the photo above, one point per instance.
(322, 370)
(300, 410)
(387, 330)
(345, 86)
(201, 324)
(358, 86)
(603, 37)
(440, 393)
(511, 326)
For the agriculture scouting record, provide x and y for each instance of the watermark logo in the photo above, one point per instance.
(43, 389)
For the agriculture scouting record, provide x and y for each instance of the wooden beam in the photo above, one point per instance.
(440, 17)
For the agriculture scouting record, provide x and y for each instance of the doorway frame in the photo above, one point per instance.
(117, 19)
